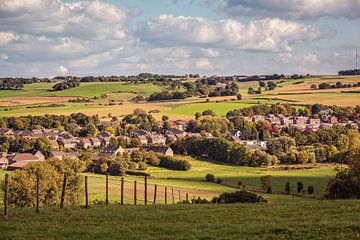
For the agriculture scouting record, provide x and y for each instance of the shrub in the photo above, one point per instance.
(152, 159)
(269, 190)
(265, 182)
(174, 163)
(137, 173)
(117, 168)
(310, 189)
(219, 181)
(300, 187)
(210, 177)
(287, 188)
(240, 184)
(142, 166)
(239, 196)
(133, 165)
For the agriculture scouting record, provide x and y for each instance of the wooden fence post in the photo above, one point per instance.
(187, 197)
(165, 195)
(155, 190)
(179, 197)
(145, 191)
(122, 192)
(6, 196)
(172, 194)
(86, 192)
(135, 193)
(37, 191)
(107, 190)
(63, 192)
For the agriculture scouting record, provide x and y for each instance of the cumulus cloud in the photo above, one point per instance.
(270, 34)
(294, 9)
(62, 70)
(6, 37)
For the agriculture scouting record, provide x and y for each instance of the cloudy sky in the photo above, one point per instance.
(66, 37)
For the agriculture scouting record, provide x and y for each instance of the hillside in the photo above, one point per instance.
(287, 219)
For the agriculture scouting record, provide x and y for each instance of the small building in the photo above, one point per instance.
(68, 143)
(6, 131)
(39, 155)
(157, 139)
(158, 149)
(143, 139)
(111, 151)
(95, 142)
(22, 159)
(61, 155)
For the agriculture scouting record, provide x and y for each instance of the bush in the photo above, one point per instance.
(300, 187)
(210, 177)
(310, 189)
(287, 188)
(117, 169)
(133, 165)
(265, 182)
(174, 163)
(142, 166)
(240, 184)
(239, 196)
(269, 190)
(137, 173)
(152, 159)
(219, 181)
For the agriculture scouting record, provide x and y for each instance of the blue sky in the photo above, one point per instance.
(75, 37)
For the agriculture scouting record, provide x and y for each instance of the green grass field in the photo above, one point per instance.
(298, 219)
(86, 89)
(220, 108)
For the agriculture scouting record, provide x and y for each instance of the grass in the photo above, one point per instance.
(86, 89)
(301, 219)
(220, 108)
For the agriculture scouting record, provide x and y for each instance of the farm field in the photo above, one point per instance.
(286, 219)
(86, 89)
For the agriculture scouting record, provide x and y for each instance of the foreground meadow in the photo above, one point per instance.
(287, 219)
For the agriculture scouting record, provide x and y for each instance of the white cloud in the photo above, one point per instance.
(62, 70)
(204, 64)
(294, 9)
(270, 34)
(6, 37)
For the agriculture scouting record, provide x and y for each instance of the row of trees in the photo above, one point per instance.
(336, 85)
(221, 150)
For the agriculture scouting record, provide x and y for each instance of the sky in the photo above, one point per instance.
(47, 38)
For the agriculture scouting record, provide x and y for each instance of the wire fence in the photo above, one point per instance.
(114, 190)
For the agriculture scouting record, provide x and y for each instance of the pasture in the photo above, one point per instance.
(286, 219)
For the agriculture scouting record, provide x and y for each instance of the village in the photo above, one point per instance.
(65, 145)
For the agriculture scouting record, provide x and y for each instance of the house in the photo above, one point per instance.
(157, 139)
(255, 144)
(65, 135)
(95, 142)
(6, 131)
(314, 121)
(68, 143)
(143, 139)
(301, 120)
(111, 151)
(104, 135)
(39, 155)
(4, 161)
(62, 155)
(329, 119)
(22, 159)
(37, 133)
(138, 133)
(86, 142)
(158, 149)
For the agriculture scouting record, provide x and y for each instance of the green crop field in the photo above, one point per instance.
(220, 108)
(287, 219)
(86, 89)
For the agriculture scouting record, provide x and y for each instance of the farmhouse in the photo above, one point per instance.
(22, 159)
(158, 149)
(157, 139)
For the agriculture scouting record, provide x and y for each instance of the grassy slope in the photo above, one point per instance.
(85, 90)
(298, 219)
